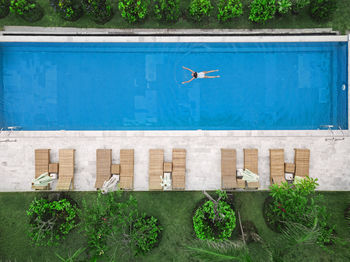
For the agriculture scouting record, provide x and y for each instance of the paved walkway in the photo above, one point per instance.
(330, 161)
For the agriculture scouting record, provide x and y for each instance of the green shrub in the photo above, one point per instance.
(284, 6)
(100, 11)
(145, 233)
(133, 10)
(70, 10)
(4, 8)
(29, 10)
(262, 10)
(51, 221)
(228, 9)
(200, 9)
(167, 10)
(114, 226)
(298, 203)
(214, 221)
(298, 5)
(322, 9)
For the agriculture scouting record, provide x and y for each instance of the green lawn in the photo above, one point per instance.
(340, 20)
(174, 210)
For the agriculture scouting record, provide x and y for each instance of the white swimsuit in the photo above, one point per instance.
(200, 75)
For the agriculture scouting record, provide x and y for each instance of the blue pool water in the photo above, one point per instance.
(137, 86)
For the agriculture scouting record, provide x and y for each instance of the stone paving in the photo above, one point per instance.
(330, 160)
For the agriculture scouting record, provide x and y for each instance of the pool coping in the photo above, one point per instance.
(28, 30)
(177, 133)
(187, 39)
(171, 39)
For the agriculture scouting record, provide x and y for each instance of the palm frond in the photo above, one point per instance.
(297, 234)
(207, 250)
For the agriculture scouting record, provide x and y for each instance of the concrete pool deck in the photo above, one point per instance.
(329, 159)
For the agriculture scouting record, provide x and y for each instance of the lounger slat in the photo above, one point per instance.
(103, 166)
(64, 183)
(155, 168)
(66, 169)
(251, 160)
(302, 162)
(251, 163)
(228, 168)
(277, 166)
(179, 169)
(127, 169)
(42, 161)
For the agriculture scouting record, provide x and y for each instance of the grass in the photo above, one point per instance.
(174, 210)
(340, 20)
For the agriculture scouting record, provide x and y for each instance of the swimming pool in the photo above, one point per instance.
(137, 86)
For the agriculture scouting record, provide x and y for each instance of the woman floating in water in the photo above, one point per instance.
(199, 75)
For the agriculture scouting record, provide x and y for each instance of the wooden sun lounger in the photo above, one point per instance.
(42, 161)
(277, 166)
(66, 169)
(228, 170)
(103, 166)
(302, 162)
(251, 163)
(126, 169)
(155, 168)
(179, 169)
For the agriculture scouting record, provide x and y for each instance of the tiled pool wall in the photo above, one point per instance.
(338, 99)
(329, 157)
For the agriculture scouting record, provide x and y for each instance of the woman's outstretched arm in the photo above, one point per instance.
(188, 69)
(188, 81)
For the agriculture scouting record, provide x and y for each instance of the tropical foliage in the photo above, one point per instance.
(298, 5)
(228, 9)
(29, 10)
(4, 8)
(115, 228)
(322, 9)
(100, 11)
(299, 204)
(284, 6)
(70, 10)
(200, 9)
(215, 219)
(262, 10)
(133, 11)
(167, 10)
(51, 221)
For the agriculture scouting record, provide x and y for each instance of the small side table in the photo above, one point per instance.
(168, 167)
(289, 168)
(115, 169)
(53, 168)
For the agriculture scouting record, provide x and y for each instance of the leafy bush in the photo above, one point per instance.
(322, 9)
(29, 10)
(262, 10)
(167, 10)
(115, 228)
(200, 9)
(70, 10)
(133, 10)
(214, 220)
(100, 11)
(145, 233)
(51, 221)
(228, 9)
(4, 8)
(284, 6)
(298, 204)
(298, 5)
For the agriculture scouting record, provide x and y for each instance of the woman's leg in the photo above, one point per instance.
(211, 76)
(207, 72)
